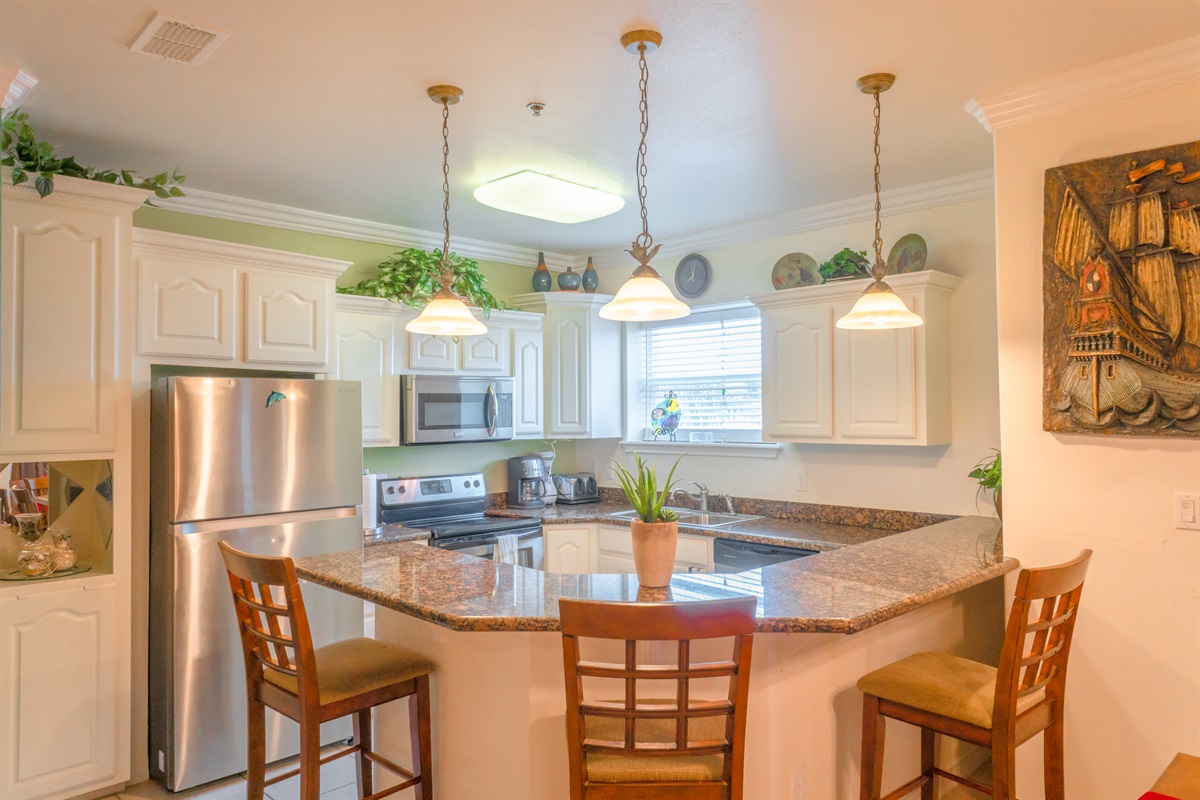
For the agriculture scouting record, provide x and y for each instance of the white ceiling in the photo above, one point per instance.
(753, 108)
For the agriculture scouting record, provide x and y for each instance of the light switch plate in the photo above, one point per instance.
(1187, 510)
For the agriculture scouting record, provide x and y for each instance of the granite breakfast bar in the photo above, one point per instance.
(498, 691)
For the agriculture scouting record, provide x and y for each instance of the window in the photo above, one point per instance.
(699, 378)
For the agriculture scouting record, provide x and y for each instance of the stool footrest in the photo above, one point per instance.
(970, 784)
(908, 787)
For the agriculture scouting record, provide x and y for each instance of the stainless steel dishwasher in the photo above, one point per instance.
(734, 555)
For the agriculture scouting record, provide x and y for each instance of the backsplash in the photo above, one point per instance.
(490, 458)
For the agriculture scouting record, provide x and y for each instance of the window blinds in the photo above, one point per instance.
(712, 361)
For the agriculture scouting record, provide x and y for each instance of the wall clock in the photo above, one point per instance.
(693, 276)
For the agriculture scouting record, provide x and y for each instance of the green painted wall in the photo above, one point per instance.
(504, 280)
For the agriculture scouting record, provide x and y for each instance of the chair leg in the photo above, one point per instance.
(310, 759)
(928, 741)
(256, 758)
(362, 738)
(1004, 771)
(1052, 755)
(872, 749)
(421, 738)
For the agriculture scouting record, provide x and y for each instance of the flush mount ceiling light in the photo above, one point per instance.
(533, 194)
(644, 297)
(446, 314)
(879, 308)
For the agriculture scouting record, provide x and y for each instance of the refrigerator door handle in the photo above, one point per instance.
(263, 520)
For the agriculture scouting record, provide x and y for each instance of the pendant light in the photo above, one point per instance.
(879, 308)
(446, 314)
(644, 297)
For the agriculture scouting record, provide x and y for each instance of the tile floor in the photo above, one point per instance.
(337, 783)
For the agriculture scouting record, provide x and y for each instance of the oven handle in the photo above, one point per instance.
(460, 542)
(492, 405)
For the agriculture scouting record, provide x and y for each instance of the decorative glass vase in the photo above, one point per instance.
(591, 278)
(36, 559)
(569, 281)
(541, 276)
(65, 556)
(29, 526)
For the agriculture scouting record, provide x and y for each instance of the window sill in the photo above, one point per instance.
(737, 450)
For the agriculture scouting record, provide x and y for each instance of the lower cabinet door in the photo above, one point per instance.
(568, 549)
(614, 563)
(64, 715)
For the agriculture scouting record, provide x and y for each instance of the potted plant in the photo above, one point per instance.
(412, 276)
(987, 474)
(656, 530)
(846, 263)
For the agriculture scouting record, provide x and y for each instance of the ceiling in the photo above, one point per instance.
(753, 108)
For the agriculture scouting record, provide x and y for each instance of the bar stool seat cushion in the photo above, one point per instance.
(606, 768)
(354, 666)
(942, 684)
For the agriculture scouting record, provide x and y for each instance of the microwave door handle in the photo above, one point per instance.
(492, 410)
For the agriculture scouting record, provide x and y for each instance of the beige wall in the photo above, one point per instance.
(1134, 684)
(961, 239)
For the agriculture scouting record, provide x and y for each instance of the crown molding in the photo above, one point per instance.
(1145, 71)
(17, 85)
(948, 191)
(257, 212)
(79, 190)
(146, 240)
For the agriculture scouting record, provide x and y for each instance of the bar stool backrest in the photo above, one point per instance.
(1037, 640)
(658, 622)
(274, 633)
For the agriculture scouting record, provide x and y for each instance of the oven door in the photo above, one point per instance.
(442, 409)
(530, 551)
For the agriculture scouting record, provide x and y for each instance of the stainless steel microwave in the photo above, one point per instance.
(440, 409)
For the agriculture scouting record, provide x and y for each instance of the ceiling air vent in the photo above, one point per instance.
(176, 40)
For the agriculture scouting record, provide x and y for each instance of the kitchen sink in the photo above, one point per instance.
(695, 519)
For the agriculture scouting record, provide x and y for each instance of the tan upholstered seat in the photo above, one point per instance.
(605, 768)
(947, 685)
(355, 666)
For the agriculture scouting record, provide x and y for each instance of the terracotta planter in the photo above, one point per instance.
(654, 551)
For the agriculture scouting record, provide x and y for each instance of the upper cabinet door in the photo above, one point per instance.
(876, 384)
(185, 307)
(797, 372)
(58, 324)
(363, 352)
(528, 368)
(568, 367)
(486, 354)
(432, 353)
(287, 318)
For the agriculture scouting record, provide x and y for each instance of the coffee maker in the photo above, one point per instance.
(526, 482)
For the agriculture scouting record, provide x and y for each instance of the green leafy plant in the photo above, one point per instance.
(847, 263)
(26, 155)
(641, 487)
(987, 472)
(412, 276)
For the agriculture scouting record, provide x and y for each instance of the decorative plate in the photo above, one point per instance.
(795, 269)
(908, 254)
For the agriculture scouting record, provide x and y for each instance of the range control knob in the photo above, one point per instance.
(391, 490)
(403, 488)
(466, 484)
(476, 484)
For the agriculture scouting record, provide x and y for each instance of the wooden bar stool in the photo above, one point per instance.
(352, 676)
(998, 708)
(654, 749)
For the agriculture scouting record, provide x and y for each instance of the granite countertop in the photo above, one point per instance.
(810, 535)
(844, 590)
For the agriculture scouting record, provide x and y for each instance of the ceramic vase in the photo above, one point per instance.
(591, 278)
(654, 546)
(569, 281)
(541, 276)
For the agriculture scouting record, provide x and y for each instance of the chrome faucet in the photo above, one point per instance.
(728, 502)
(701, 497)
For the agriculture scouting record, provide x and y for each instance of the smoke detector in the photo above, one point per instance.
(176, 40)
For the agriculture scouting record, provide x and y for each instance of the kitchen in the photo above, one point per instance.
(241, 277)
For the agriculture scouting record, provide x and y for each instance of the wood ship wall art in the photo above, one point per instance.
(1121, 294)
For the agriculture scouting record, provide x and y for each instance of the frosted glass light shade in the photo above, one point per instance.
(533, 194)
(644, 299)
(879, 308)
(446, 316)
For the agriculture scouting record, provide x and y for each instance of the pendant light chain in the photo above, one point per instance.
(645, 239)
(878, 206)
(447, 267)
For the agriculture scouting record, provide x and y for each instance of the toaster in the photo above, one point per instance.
(576, 487)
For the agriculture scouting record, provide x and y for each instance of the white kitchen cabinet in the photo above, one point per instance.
(528, 372)
(65, 260)
(824, 384)
(288, 318)
(583, 372)
(569, 549)
(64, 718)
(428, 353)
(363, 352)
(614, 551)
(186, 307)
(487, 354)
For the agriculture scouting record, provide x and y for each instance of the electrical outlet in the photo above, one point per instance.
(1187, 511)
(802, 481)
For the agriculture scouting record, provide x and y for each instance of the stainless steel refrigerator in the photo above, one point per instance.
(274, 467)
